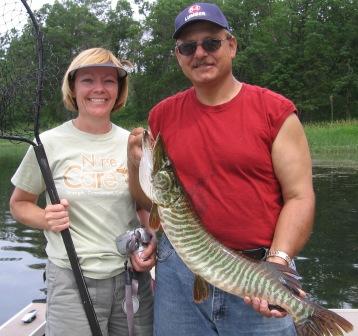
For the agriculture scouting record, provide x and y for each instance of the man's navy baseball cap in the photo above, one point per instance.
(200, 11)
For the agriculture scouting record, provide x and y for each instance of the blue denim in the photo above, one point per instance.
(224, 314)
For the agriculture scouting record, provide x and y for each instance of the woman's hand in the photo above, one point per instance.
(56, 216)
(145, 260)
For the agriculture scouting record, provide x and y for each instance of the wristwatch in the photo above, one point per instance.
(279, 254)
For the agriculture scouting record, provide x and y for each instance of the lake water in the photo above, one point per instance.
(328, 264)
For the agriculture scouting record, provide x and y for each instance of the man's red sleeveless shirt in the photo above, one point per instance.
(222, 156)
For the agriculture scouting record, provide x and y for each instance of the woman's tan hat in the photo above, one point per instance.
(122, 73)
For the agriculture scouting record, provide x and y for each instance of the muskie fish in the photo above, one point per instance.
(217, 264)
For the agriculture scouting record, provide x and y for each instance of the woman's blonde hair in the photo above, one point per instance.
(95, 57)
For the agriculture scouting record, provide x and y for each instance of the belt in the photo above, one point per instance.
(257, 254)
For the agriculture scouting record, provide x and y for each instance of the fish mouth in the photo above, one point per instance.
(146, 142)
(146, 165)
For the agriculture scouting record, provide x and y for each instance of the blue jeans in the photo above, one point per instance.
(224, 314)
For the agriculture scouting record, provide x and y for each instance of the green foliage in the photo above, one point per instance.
(304, 49)
(336, 141)
(122, 32)
(157, 74)
(11, 150)
(68, 27)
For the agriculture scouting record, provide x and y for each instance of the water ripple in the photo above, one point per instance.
(10, 259)
(9, 236)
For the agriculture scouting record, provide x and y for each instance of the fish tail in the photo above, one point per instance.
(323, 322)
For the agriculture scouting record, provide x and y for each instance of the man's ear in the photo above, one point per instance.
(233, 46)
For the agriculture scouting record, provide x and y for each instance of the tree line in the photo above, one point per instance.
(304, 49)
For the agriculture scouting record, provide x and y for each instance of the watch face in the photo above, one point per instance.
(135, 302)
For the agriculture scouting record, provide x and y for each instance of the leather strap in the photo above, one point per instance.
(257, 254)
(131, 292)
(129, 302)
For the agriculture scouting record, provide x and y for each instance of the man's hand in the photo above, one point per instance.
(134, 150)
(261, 305)
(134, 155)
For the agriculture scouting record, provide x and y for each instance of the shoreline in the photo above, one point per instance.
(327, 163)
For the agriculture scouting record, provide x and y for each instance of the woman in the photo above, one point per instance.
(88, 160)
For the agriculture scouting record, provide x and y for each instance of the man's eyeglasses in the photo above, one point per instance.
(208, 44)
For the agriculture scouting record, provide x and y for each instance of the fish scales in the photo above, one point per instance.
(196, 252)
(218, 265)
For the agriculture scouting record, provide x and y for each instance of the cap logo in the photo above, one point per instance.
(194, 9)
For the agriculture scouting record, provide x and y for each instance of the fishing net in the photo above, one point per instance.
(19, 72)
(24, 82)
(29, 71)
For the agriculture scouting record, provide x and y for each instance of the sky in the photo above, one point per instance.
(10, 9)
(36, 4)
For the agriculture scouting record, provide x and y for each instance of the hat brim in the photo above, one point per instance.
(122, 73)
(186, 24)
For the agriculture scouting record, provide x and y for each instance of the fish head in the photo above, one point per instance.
(156, 176)
(166, 188)
(146, 165)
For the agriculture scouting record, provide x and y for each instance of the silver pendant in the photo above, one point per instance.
(135, 304)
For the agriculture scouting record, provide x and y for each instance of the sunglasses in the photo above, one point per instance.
(208, 44)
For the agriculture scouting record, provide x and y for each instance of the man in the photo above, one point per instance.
(242, 157)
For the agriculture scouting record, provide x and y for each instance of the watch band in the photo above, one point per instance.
(279, 254)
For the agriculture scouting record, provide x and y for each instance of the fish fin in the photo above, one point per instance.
(323, 322)
(288, 277)
(200, 290)
(154, 219)
(286, 269)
